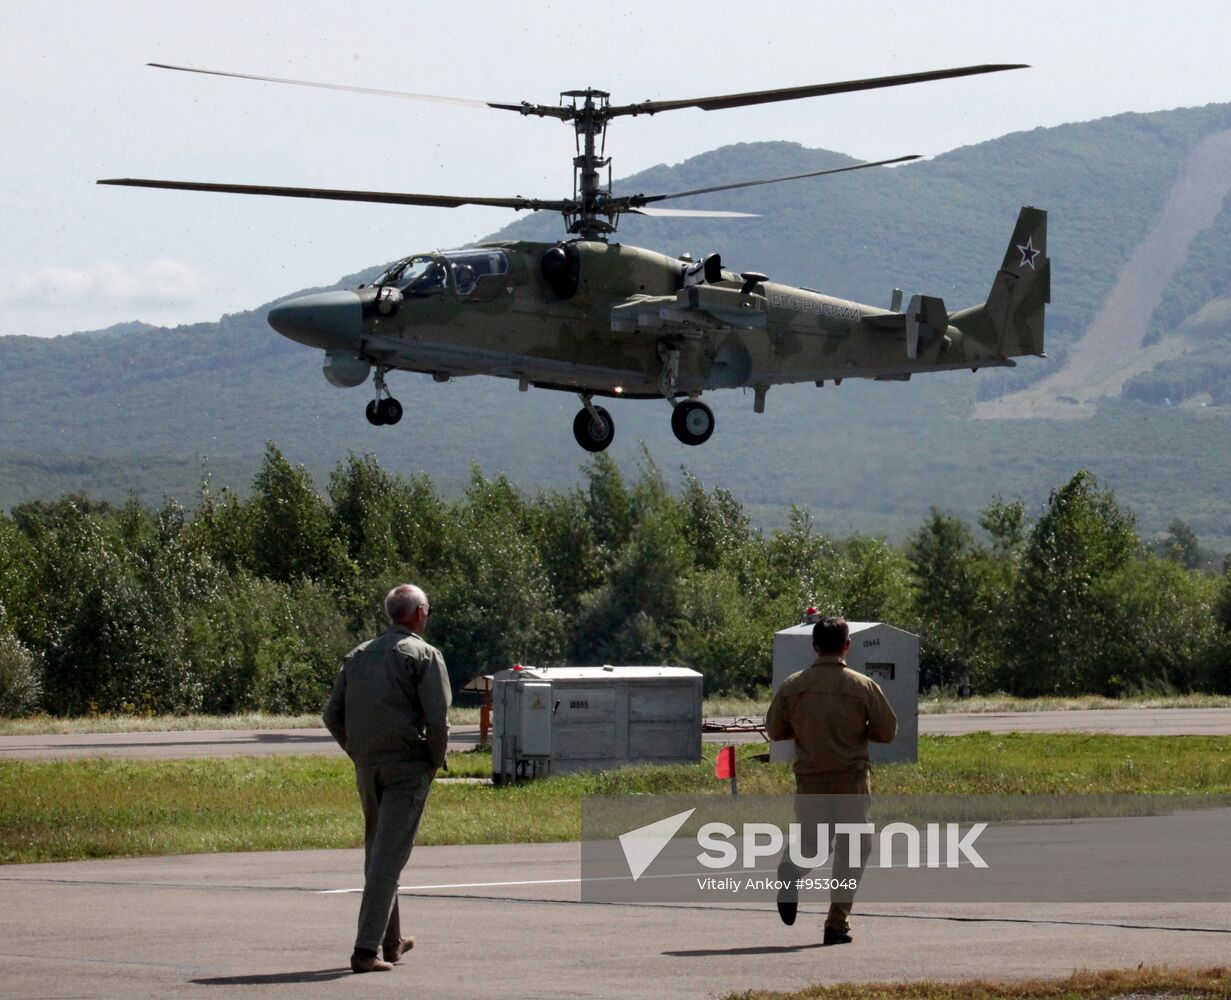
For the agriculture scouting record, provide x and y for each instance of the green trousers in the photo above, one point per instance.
(830, 800)
(392, 795)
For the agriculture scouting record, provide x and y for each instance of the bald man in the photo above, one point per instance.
(388, 711)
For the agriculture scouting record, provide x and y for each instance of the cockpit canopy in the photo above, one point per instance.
(430, 274)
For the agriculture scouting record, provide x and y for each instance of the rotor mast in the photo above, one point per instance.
(590, 118)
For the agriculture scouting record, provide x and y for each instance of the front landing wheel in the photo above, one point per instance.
(591, 434)
(692, 422)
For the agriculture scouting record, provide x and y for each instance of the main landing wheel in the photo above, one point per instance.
(390, 410)
(692, 422)
(387, 411)
(591, 434)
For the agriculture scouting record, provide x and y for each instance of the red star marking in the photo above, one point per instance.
(1028, 253)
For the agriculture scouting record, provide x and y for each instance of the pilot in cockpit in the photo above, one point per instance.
(466, 278)
(432, 280)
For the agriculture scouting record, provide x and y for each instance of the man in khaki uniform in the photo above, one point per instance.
(388, 711)
(831, 712)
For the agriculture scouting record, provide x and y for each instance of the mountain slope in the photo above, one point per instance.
(1112, 351)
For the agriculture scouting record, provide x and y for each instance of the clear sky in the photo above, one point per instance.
(79, 104)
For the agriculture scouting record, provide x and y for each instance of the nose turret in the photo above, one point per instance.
(325, 319)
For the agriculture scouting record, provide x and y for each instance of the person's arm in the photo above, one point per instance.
(777, 725)
(435, 696)
(882, 723)
(334, 715)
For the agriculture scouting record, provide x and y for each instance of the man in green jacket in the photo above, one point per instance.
(831, 712)
(388, 711)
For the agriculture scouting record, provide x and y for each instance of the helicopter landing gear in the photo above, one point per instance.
(387, 411)
(670, 373)
(593, 427)
(383, 411)
(692, 422)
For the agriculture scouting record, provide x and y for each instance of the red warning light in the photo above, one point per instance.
(811, 611)
(516, 666)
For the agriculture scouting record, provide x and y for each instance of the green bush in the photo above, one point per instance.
(21, 688)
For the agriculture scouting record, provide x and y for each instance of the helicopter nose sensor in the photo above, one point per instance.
(326, 319)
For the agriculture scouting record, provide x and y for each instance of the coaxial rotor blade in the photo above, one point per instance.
(689, 213)
(818, 90)
(331, 86)
(333, 194)
(638, 200)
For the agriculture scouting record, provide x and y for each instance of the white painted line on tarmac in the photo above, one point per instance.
(468, 885)
(551, 881)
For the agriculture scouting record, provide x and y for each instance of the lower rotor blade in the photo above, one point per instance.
(334, 194)
(689, 213)
(639, 200)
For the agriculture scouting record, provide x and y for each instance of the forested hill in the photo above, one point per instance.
(139, 408)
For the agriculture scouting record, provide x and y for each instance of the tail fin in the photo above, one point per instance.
(1012, 317)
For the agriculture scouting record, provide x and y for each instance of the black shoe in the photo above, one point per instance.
(788, 904)
(835, 936)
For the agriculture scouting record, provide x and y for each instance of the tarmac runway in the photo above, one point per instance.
(251, 742)
(507, 921)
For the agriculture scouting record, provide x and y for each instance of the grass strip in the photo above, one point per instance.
(1136, 983)
(49, 725)
(714, 708)
(943, 704)
(69, 810)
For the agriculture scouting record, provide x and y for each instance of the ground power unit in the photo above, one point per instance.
(889, 655)
(551, 720)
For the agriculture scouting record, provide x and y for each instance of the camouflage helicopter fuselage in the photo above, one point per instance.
(605, 319)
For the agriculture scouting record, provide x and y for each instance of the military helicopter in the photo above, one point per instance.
(601, 319)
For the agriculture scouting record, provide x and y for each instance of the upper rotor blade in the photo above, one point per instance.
(817, 90)
(644, 199)
(330, 86)
(333, 194)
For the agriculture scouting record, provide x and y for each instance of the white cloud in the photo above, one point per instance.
(162, 281)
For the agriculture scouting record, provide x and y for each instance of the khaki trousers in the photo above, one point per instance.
(832, 799)
(392, 795)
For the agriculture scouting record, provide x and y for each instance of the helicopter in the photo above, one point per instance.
(601, 319)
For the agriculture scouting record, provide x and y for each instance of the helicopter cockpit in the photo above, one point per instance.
(427, 274)
(475, 269)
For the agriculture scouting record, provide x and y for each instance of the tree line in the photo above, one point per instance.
(250, 604)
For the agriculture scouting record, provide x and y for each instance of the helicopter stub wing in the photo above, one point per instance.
(925, 317)
(691, 312)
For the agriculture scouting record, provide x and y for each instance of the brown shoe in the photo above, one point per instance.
(393, 952)
(368, 963)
